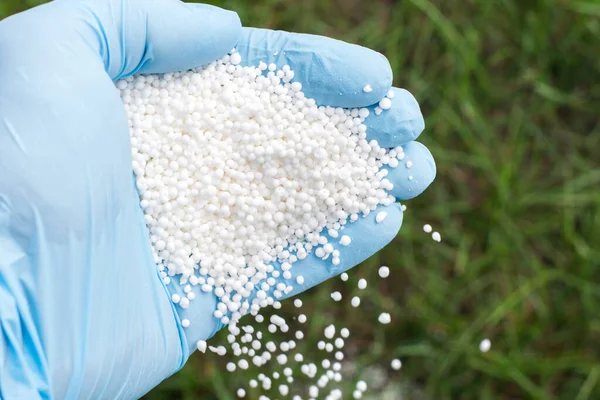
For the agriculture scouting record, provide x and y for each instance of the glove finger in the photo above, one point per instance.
(164, 35)
(152, 36)
(400, 124)
(332, 72)
(368, 237)
(415, 172)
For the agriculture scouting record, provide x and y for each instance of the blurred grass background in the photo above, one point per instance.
(510, 90)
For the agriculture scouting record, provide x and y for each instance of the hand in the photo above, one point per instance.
(83, 312)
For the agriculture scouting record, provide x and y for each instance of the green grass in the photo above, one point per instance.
(511, 91)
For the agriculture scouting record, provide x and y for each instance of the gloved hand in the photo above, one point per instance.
(83, 312)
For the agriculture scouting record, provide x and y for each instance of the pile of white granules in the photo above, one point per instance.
(240, 176)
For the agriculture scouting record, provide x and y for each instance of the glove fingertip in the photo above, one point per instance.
(184, 36)
(402, 123)
(225, 25)
(416, 172)
(367, 77)
(332, 72)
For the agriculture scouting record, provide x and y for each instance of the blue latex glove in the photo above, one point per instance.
(83, 312)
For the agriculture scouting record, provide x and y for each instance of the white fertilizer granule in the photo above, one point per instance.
(345, 240)
(485, 345)
(380, 216)
(396, 364)
(385, 104)
(384, 318)
(384, 271)
(201, 345)
(362, 283)
(329, 332)
(361, 385)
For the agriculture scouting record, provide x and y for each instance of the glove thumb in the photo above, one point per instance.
(127, 36)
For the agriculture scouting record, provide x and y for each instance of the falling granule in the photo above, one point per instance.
(330, 332)
(384, 318)
(436, 236)
(361, 385)
(283, 390)
(485, 345)
(427, 228)
(241, 393)
(384, 271)
(355, 301)
(362, 283)
(201, 345)
(344, 277)
(282, 359)
(396, 364)
(336, 296)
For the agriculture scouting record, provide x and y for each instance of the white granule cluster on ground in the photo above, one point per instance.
(237, 169)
